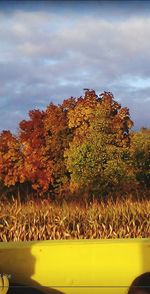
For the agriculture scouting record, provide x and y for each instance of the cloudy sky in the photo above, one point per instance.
(50, 51)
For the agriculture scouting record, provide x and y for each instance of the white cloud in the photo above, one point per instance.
(50, 54)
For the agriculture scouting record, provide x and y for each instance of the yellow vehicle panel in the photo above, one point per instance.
(76, 266)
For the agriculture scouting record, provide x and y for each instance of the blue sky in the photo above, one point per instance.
(51, 50)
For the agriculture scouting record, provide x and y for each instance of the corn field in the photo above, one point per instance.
(44, 220)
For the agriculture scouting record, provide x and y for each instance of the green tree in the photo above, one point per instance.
(98, 156)
(140, 154)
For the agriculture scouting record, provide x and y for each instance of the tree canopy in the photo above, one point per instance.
(83, 144)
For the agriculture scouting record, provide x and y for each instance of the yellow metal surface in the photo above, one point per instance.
(4, 284)
(76, 266)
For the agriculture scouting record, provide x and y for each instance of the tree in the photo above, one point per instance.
(11, 160)
(57, 137)
(84, 144)
(44, 138)
(32, 137)
(98, 155)
(140, 155)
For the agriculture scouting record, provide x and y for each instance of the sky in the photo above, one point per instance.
(52, 50)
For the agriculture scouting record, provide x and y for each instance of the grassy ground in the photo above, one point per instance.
(44, 220)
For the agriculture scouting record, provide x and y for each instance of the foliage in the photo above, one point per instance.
(56, 138)
(11, 159)
(31, 136)
(98, 155)
(140, 154)
(44, 138)
(83, 146)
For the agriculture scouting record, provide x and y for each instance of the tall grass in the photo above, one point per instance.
(44, 220)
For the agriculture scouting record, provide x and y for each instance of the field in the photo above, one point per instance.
(44, 220)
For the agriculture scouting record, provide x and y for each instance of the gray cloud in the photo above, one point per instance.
(48, 56)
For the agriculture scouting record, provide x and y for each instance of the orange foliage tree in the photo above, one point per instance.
(57, 138)
(31, 135)
(11, 160)
(44, 138)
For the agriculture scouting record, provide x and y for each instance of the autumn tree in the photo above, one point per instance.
(36, 168)
(83, 144)
(57, 137)
(97, 157)
(44, 137)
(11, 160)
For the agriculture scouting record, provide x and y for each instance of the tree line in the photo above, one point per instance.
(83, 147)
